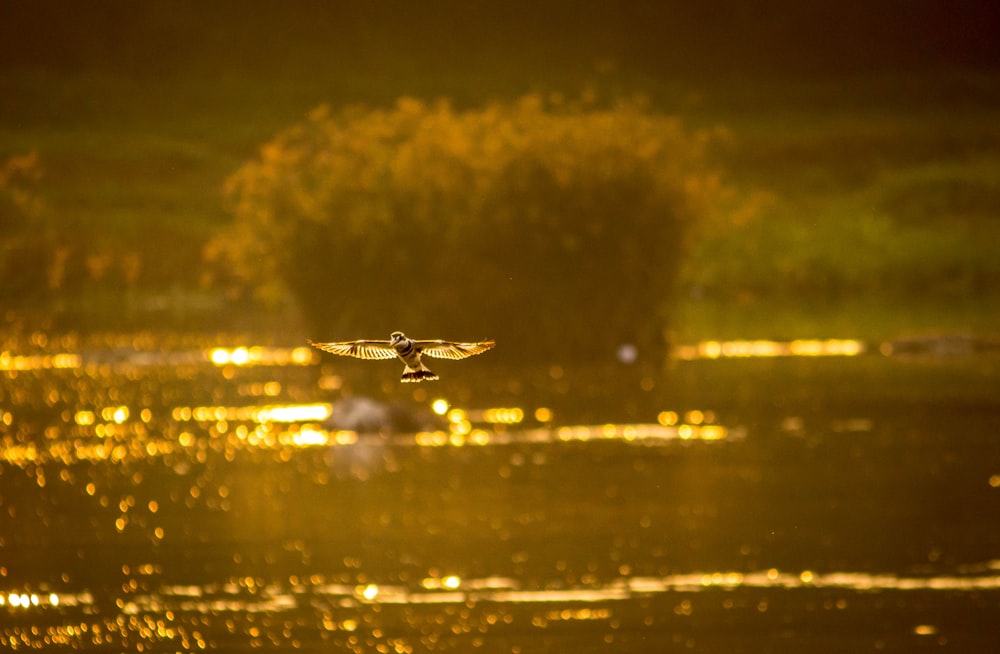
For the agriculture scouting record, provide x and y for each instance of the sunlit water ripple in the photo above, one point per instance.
(203, 498)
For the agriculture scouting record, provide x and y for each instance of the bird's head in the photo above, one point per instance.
(395, 337)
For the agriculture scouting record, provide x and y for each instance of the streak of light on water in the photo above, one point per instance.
(133, 358)
(123, 445)
(239, 596)
(744, 349)
(644, 433)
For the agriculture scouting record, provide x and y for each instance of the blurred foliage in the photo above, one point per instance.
(28, 264)
(43, 257)
(550, 222)
(921, 232)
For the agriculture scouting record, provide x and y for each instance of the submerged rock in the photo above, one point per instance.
(367, 416)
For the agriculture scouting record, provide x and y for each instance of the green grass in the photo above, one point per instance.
(868, 318)
(876, 208)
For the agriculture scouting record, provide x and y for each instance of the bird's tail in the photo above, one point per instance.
(418, 374)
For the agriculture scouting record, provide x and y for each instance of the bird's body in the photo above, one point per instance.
(408, 351)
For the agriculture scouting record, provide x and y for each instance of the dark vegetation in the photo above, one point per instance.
(529, 221)
(143, 147)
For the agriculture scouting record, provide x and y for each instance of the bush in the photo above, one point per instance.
(544, 224)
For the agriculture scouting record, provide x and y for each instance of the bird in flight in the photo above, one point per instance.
(408, 351)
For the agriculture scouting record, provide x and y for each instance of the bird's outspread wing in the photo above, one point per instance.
(359, 349)
(452, 350)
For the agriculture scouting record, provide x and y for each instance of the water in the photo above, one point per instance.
(163, 495)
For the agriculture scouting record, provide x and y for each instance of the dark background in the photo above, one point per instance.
(654, 38)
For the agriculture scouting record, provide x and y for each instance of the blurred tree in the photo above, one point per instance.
(30, 264)
(46, 268)
(556, 225)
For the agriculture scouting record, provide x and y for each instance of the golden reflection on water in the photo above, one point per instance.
(121, 432)
(640, 433)
(267, 612)
(9, 362)
(260, 356)
(742, 349)
(120, 441)
(217, 356)
(252, 595)
(286, 413)
(244, 355)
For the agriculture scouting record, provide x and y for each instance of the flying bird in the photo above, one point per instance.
(408, 351)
